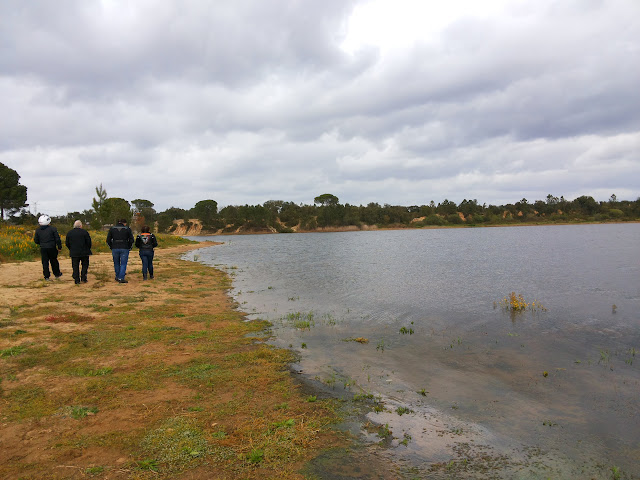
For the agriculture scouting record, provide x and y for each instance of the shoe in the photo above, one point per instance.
(151, 277)
(47, 279)
(84, 280)
(77, 282)
(58, 276)
(122, 280)
(144, 277)
(117, 279)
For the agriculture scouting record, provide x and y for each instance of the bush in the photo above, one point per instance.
(454, 219)
(433, 219)
(16, 243)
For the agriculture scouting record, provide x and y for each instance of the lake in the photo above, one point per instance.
(416, 319)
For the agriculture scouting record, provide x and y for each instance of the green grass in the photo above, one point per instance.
(26, 402)
(176, 444)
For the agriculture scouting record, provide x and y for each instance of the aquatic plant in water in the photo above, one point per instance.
(516, 303)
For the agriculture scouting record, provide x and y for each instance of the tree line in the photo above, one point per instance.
(326, 212)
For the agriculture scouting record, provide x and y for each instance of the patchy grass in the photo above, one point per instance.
(167, 377)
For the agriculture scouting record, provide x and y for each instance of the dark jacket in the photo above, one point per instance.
(120, 236)
(78, 242)
(146, 241)
(47, 237)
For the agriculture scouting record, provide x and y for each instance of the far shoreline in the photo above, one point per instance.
(374, 228)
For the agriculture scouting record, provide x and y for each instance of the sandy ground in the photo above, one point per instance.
(19, 281)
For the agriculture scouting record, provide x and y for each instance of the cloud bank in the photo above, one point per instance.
(247, 101)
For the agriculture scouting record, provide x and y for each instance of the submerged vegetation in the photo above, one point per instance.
(516, 303)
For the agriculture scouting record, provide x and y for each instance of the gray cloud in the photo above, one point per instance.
(249, 101)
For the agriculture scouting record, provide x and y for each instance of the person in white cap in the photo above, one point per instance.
(50, 244)
(78, 241)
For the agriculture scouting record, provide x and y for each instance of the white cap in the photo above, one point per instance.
(44, 220)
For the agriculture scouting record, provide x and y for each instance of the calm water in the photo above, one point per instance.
(471, 373)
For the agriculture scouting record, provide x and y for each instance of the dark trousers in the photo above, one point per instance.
(50, 255)
(75, 265)
(147, 262)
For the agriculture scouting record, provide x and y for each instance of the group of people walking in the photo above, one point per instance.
(78, 241)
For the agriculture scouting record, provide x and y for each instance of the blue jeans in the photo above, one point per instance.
(147, 262)
(120, 259)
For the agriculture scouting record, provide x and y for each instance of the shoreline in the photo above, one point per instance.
(374, 228)
(106, 379)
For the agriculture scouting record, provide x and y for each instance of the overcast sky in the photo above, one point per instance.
(388, 101)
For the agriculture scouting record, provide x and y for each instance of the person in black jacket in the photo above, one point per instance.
(120, 241)
(146, 242)
(78, 242)
(49, 240)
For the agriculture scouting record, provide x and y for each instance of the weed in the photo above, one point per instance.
(304, 345)
(362, 396)
(329, 319)
(284, 423)
(357, 339)
(402, 410)
(28, 402)
(79, 411)
(405, 331)
(176, 443)
(13, 351)
(516, 303)
(616, 474)
(384, 431)
(312, 398)
(405, 441)
(380, 345)
(148, 464)
(93, 470)
(255, 456)
(545, 374)
(549, 423)
(604, 356)
(87, 371)
(423, 392)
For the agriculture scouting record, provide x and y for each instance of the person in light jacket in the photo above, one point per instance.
(146, 242)
(78, 242)
(50, 244)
